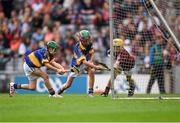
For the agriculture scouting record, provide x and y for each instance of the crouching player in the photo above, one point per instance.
(32, 64)
(124, 62)
(82, 58)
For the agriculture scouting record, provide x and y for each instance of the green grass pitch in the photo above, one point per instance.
(82, 108)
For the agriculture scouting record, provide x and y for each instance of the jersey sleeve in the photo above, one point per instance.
(126, 61)
(123, 55)
(45, 61)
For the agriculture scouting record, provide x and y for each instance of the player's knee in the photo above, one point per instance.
(91, 72)
(45, 77)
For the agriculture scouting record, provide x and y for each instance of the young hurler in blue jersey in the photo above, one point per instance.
(32, 64)
(82, 57)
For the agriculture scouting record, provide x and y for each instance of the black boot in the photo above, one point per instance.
(60, 91)
(106, 92)
(131, 90)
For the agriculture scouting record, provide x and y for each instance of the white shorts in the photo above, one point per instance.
(28, 72)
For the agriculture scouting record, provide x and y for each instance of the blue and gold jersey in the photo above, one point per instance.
(81, 53)
(37, 58)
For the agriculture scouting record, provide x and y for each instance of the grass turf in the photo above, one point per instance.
(83, 108)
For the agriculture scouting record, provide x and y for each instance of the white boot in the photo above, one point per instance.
(56, 96)
(11, 89)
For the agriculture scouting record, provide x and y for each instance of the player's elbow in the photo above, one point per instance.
(46, 64)
(85, 62)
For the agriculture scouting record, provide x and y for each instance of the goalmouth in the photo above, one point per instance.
(140, 23)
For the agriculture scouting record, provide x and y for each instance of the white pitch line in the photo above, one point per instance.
(147, 98)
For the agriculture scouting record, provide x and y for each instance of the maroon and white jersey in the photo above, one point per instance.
(126, 61)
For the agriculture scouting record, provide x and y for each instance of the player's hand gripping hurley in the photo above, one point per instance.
(73, 69)
(106, 68)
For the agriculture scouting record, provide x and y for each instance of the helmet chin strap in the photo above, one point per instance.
(52, 52)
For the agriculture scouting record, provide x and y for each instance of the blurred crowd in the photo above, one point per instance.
(138, 24)
(29, 24)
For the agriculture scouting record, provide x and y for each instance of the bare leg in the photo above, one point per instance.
(13, 86)
(45, 77)
(109, 83)
(91, 80)
(31, 85)
(46, 80)
(108, 87)
(131, 85)
(66, 85)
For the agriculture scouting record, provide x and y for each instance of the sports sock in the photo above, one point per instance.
(91, 91)
(51, 91)
(17, 86)
(107, 90)
(60, 91)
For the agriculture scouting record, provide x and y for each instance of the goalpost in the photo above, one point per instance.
(150, 29)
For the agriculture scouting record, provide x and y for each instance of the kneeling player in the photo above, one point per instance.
(32, 64)
(82, 57)
(124, 62)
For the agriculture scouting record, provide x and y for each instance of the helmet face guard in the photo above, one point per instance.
(52, 47)
(52, 51)
(86, 41)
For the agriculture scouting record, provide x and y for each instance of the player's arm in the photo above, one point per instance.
(116, 64)
(90, 64)
(82, 59)
(91, 52)
(92, 58)
(50, 66)
(57, 65)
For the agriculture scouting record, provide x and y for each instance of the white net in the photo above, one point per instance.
(147, 40)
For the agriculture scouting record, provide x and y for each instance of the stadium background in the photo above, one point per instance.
(29, 24)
